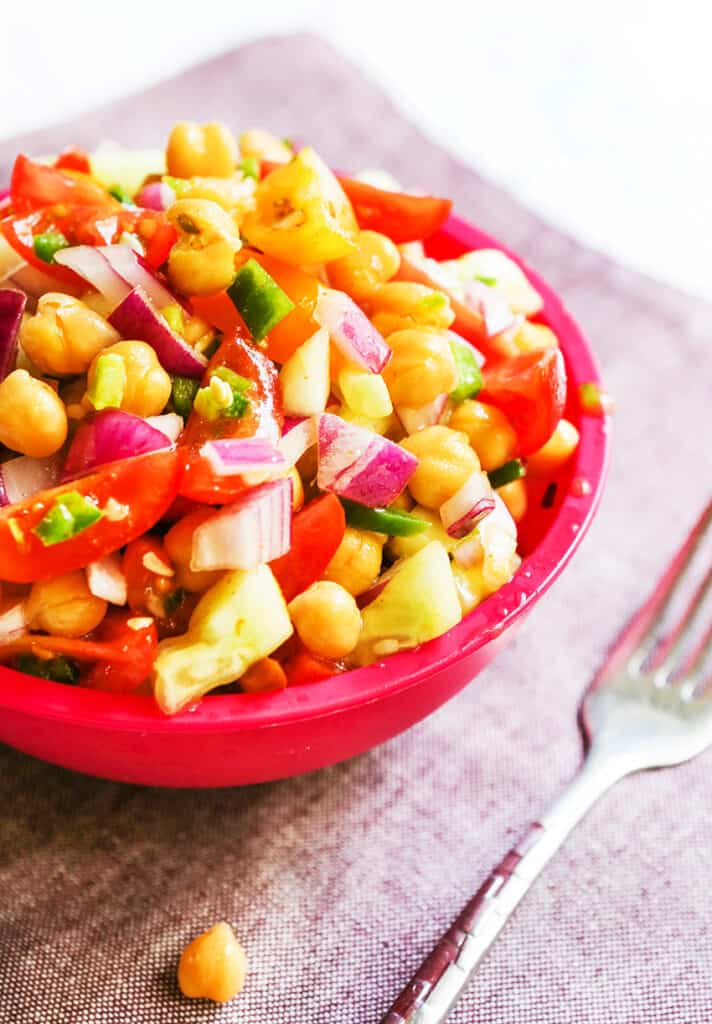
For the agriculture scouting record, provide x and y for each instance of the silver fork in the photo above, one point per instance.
(646, 708)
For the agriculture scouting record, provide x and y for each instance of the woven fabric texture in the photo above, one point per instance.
(339, 882)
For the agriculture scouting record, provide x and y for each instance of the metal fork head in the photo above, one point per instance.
(648, 706)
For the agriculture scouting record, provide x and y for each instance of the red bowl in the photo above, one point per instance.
(230, 740)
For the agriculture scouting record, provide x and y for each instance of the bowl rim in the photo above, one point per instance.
(245, 712)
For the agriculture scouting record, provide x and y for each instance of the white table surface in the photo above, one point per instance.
(598, 116)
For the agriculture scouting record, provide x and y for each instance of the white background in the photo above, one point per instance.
(598, 115)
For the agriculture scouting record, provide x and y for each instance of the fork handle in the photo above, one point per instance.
(444, 974)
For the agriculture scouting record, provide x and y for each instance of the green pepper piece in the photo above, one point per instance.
(70, 514)
(258, 299)
(469, 375)
(391, 521)
(183, 392)
(507, 473)
(47, 244)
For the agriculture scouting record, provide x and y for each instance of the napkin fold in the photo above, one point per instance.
(339, 882)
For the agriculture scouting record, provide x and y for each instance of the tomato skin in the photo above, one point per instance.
(530, 389)
(145, 486)
(20, 231)
(304, 667)
(35, 185)
(158, 237)
(73, 159)
(123, 676)
(317, 532)
(263, 418)
(403, 217)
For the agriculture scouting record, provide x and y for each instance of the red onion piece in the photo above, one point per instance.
(106, 579)
(10, 261)
(493, 308)
(248, 533)
(136, 272)
(108, 436)
(137, 317)
(87, 261)
(471, 503)
(298, 435)
(355, 463)
(156, 196)
(245, 455)
(169, 423)
(13, 622)
(418, 417)
(22, 477)
(12, 306)
(351, 330)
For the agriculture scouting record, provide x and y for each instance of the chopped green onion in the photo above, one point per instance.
(507, 473)
(70, 514)
(224, 395)
(58, 669)
(120, 193)
(183, 392)
(47, 244)
(108, 387)
(469, 375)
(433, 303)
(258, 299)
(174, 315)
(490, 281)
(391, 521)
(250, 168)
(179, 185)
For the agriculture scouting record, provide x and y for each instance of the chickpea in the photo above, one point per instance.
(514, 496)
(178, 543)
(64, 606)
(409, 304)
(148, 386)
(374, 261)
(327, 619)
(297, 489)
(489, 431)
(421, 368)
(203, 259)
(235, 194)
(213, 966)
(204, 149)
(357, 561)
(64, 335)
(445, 461)
(264, 146)
(33, 419)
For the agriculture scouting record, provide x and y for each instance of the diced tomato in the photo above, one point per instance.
(317, 532)
(35, 185)
(263, 418)
(219, 311)
(20, 233)
(128, 634)
(73, 159)
(306, 668)
(149, 575)
(530, 389)
(403, 217)
(133, 493)
(468, 322)
(265, 676)
(158, 237)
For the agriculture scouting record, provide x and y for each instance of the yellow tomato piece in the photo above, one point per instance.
(303, 215)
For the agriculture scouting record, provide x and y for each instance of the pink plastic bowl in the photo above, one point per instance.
(230, 740)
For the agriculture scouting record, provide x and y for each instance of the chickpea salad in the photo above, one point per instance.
(252, 434)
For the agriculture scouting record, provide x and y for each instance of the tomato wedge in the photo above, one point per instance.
(141, 488)
(317, 532)
(403, 217)
(35, 185)
(530, 389)
(73, 159)
(263, 418)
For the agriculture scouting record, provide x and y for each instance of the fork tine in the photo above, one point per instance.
(638, 638)
(665, 667)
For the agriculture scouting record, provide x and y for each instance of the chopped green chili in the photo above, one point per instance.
(233, 402)
(120, 193)
(507, 473)
(47, 244)
(183, 392)
(70, 514)
(469, 375)
(250, 167)
(391, 521)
